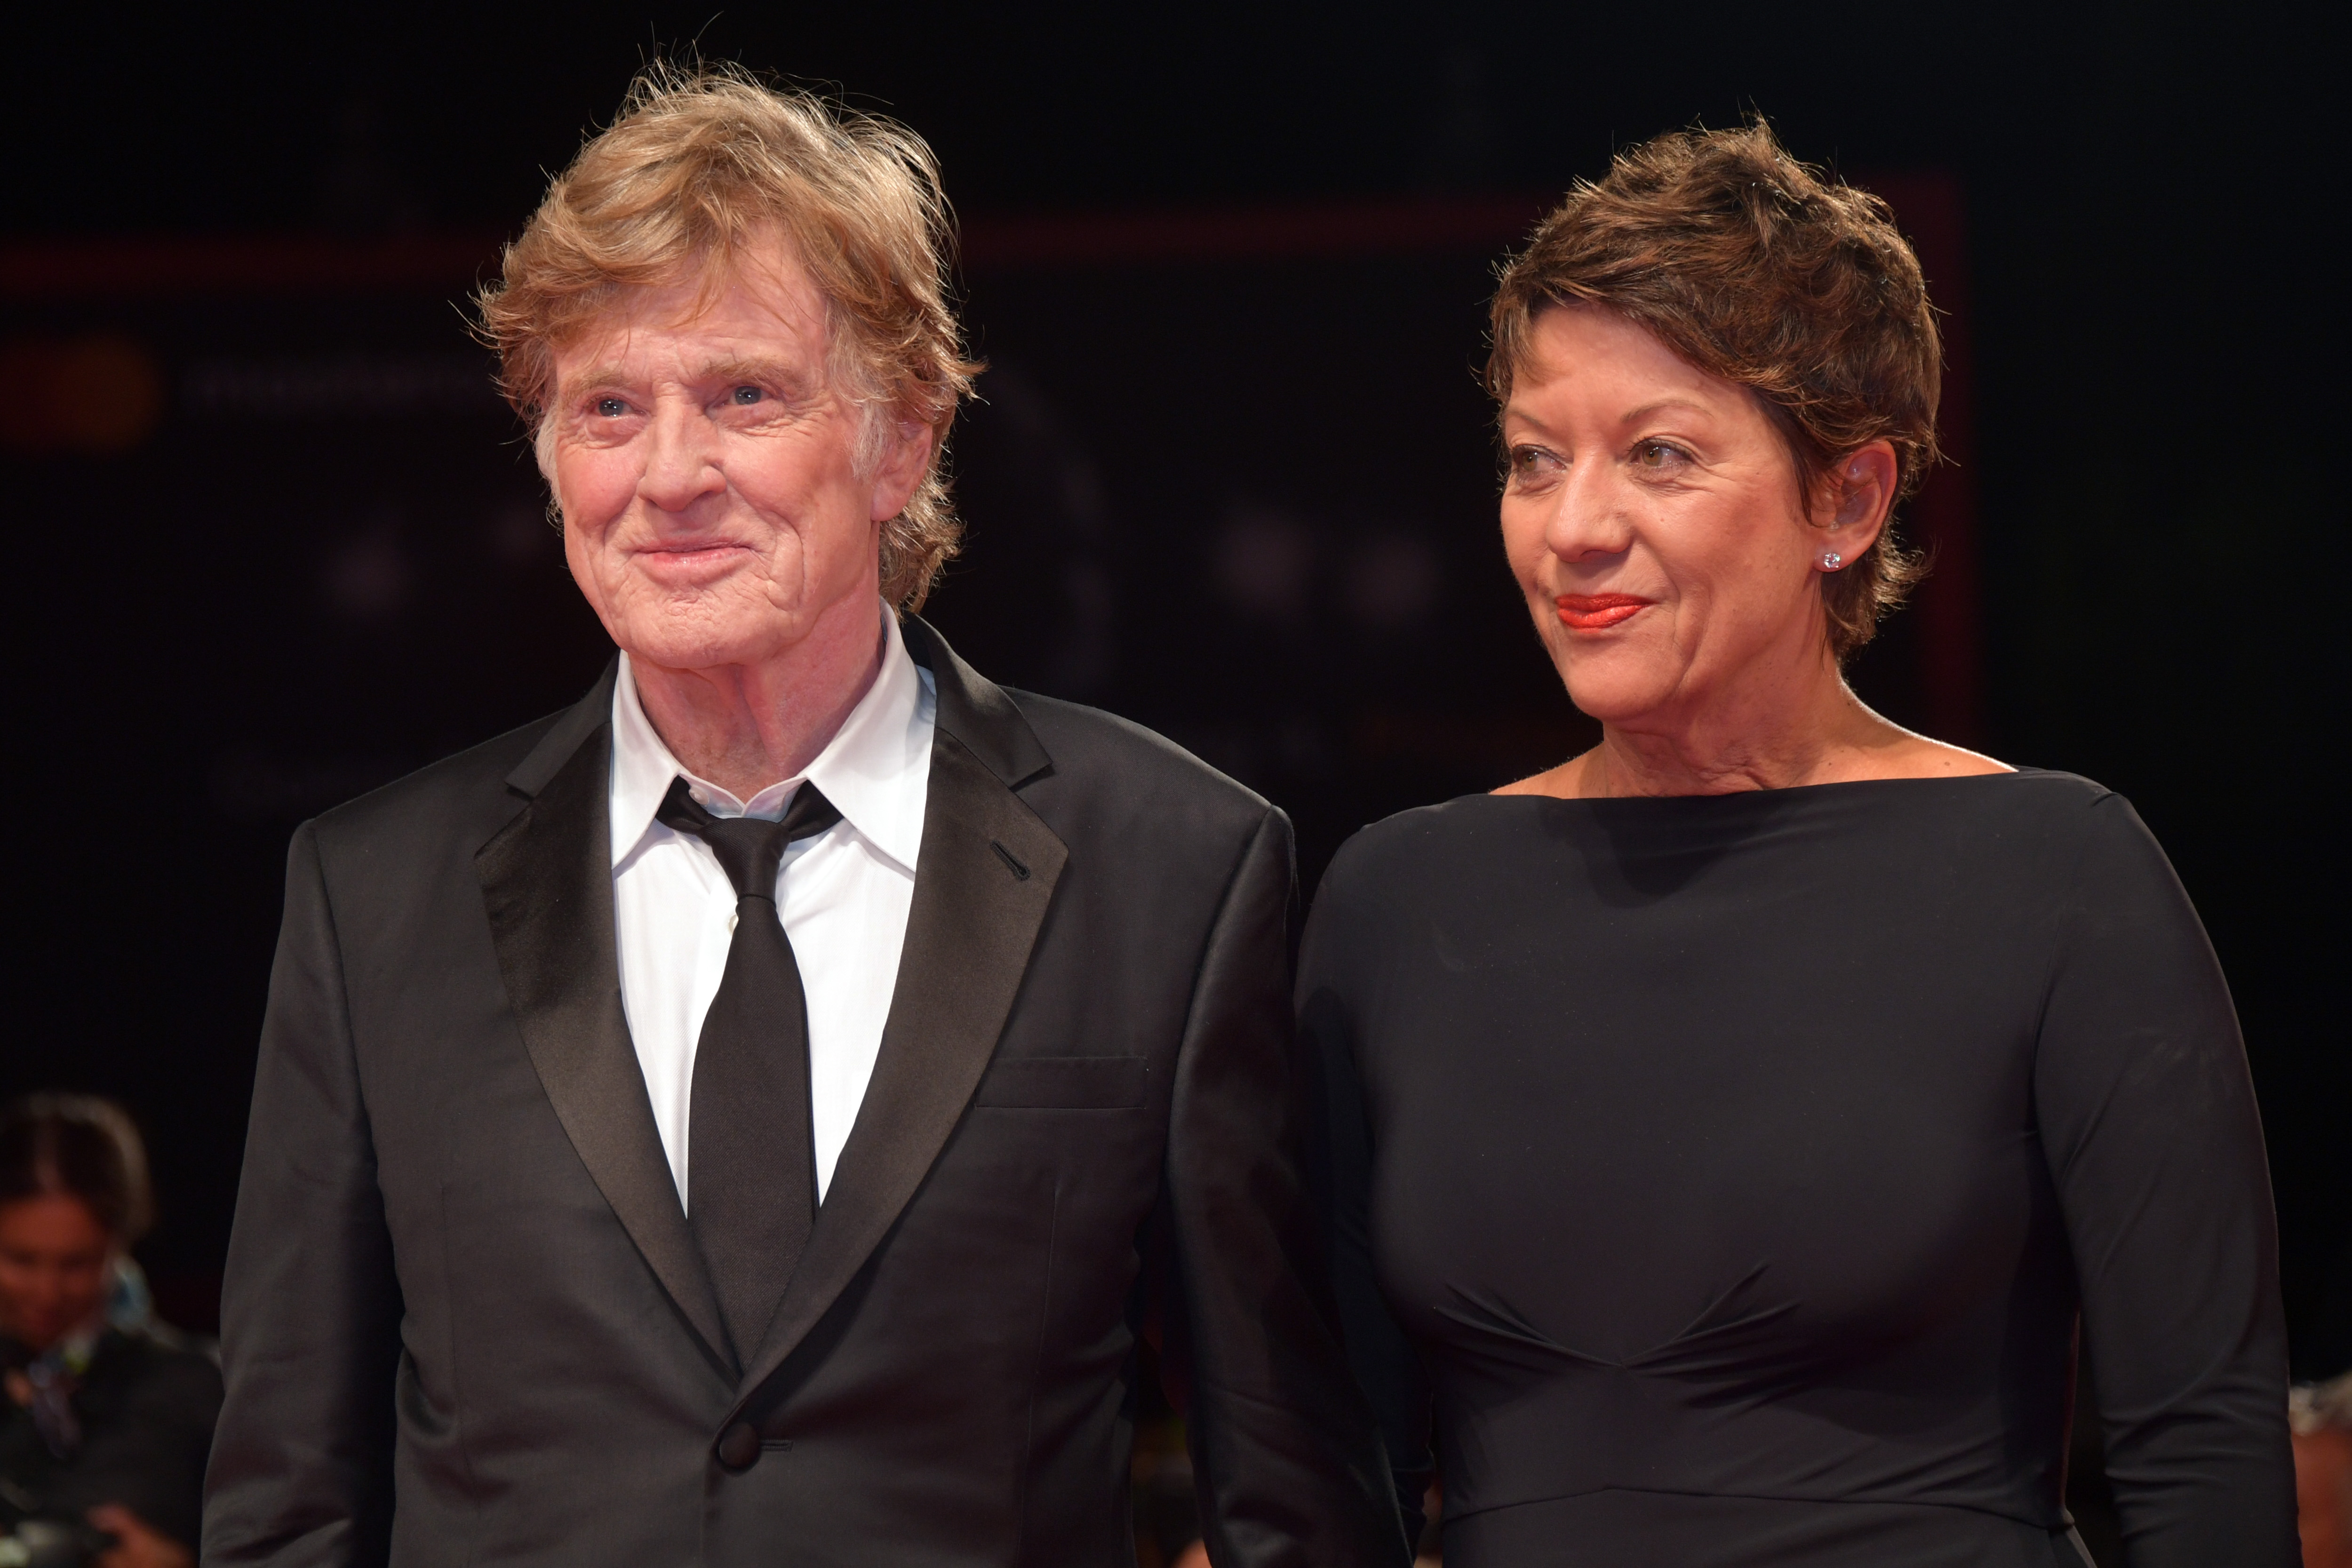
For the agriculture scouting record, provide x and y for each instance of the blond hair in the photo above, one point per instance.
(701, 164)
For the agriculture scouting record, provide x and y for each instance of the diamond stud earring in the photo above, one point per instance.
(1832, 560)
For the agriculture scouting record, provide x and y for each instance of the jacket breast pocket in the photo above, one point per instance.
(1065, 1083)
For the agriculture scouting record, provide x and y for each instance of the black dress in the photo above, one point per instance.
(1731, 1174)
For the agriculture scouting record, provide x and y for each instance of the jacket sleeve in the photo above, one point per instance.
(2148, 1123)
(301, 1463)
(1340, 1166)
(1286, 1459)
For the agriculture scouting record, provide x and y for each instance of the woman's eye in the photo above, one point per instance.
(611, 407)
(1657, 455)
(745, 396)
(1531, 469)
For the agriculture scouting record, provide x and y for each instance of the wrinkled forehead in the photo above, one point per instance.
(752, 297)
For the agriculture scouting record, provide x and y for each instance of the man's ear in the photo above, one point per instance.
(1856, 497)
(905, 457)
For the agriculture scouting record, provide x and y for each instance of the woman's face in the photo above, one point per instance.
(55, 1260)
(1651, 515)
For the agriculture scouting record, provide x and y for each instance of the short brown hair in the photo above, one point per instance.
(698, 165)
(1765, 272)
(78, 1146)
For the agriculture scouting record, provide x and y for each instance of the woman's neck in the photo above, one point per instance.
(1723, 747)
(1774, 735)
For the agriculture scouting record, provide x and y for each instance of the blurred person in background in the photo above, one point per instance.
(2321, 1416)
(108, 1415)
(724, 1123)
(1736, 1131)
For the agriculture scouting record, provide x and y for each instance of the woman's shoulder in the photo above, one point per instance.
(2035, 820)
(2054, 840)
(2092, 832)
(1426, 839)
(2042, 802)
(1380, 887)
(2019, 791)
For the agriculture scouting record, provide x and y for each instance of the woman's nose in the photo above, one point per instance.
(1590, 516)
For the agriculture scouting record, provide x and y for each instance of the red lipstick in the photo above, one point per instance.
(1597, 611)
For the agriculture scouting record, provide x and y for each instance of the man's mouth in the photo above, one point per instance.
(1598, 612)
(701, 547)
(692, 559)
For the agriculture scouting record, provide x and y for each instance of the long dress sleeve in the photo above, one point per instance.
(1379, 1352)
(2148, 1120)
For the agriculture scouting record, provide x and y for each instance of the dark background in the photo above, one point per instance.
(277, 543)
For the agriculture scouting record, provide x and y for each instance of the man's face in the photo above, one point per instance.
(715, 511)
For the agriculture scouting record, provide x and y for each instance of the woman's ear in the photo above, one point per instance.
(1855, 500)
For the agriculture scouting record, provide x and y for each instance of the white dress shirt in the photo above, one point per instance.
(844, 894)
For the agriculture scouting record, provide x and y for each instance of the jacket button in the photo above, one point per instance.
(738, 1446)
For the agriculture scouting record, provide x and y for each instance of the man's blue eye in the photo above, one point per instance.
(747, 394)
(611, 407)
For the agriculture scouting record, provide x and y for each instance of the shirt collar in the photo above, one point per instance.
(874, 768)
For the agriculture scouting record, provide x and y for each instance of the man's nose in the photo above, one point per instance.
(682, 457)
(1591, 517)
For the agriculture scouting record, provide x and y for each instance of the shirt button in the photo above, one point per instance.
(733, 921)
(738, 1446)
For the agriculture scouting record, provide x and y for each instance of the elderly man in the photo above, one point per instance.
(743, 1119)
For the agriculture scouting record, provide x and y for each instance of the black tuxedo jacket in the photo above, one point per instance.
(465, 1319)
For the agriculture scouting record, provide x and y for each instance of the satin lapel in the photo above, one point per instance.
(983, 878)
(547, 882)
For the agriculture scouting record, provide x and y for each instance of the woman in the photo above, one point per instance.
(1731, 1127)
(108, 1417)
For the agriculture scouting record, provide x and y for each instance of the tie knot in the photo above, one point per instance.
(749, 850)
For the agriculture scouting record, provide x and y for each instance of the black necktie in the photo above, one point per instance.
(750, 1162)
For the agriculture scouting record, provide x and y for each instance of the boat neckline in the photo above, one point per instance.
(2011, 772)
